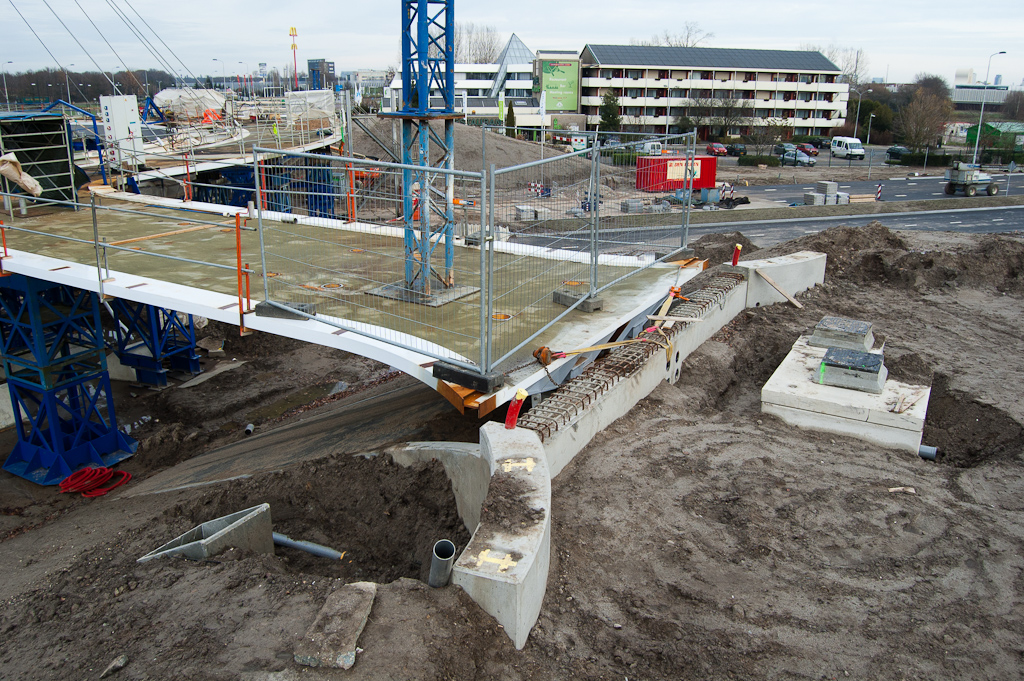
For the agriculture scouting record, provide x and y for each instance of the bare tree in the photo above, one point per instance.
(763, 137)
(851, 60)
(475, 44)
(921, 122)
(692, 35)
(731, 112)
(1013, 107)
(701, 111)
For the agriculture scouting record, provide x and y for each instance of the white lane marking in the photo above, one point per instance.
(956, 222)
(750, 235)
(911, 225)
(897, 178)
(997, 219)
(936, 193)
(911, 184)
(770, 190)
(781, 200)
(811, 231)
(898, 196)
(844, 186)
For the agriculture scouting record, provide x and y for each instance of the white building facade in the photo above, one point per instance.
(723, 92)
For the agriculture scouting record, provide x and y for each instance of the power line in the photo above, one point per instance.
(85, 51)
(127, 70)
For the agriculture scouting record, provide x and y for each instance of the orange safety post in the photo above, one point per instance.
(188, 181)
(238, 253)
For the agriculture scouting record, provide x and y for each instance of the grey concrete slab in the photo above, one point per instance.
(331, 640)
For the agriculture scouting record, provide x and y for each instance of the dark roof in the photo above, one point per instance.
(708, 57)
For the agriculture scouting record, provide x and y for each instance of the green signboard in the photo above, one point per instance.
(561, 80)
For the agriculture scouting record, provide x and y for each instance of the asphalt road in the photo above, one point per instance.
(875, 157)
(979, 220)
(894, 188)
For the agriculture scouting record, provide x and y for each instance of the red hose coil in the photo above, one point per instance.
(90, 481)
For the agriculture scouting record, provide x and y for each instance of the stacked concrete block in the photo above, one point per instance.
(838, 332)
(853, 369)
(843, 199)
(826, 188)
(526, 213)
(830, 199)
(814, 199)
(632, 206)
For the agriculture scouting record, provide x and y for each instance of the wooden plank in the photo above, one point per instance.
(779, 289)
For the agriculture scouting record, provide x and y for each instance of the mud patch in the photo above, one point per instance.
(505, 505)
(966, 431)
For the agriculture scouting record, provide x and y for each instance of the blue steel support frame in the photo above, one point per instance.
(428, 63)
(54, 358)
(148, 335)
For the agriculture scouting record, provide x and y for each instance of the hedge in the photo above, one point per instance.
(1002, 156)
(770, 161)
(936, 160)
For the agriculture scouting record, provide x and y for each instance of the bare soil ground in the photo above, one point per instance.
(693, 539)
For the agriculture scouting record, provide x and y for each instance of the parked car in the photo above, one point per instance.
(716, 149)
(808, 149)
(783, 147)
(797, 158)
(737, 149)
(822, 142)
(896, 152)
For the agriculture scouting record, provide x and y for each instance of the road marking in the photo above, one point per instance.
(897, 178)
(936, 193)
(911, 225)
(770, 190)
(528, 463)
(808, 187)
(997, 219)
(844, 186)
(811, 231)
(901, 196)
(750, 235)
(781, 200)
(956, 222)
(911, 184)
(502, 563)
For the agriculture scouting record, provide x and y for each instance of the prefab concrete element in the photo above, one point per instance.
(837, 332)
(249, 529)
(331, 640)
(893, 418)
(853, 369)
(793, 273)
(505, 570)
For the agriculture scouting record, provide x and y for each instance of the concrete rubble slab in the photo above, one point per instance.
(331, 640)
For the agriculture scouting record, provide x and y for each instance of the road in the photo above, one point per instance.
(875, 158)
(894, 188)
(979, 220)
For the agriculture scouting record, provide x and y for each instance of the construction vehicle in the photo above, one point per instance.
(968, 178)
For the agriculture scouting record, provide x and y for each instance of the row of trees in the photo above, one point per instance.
(51, 84)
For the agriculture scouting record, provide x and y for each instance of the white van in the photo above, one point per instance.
(651, 148)
(847, 147)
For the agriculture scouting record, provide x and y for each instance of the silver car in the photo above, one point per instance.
(797, 158)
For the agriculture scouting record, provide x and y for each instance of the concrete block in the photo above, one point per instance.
(853, 369)
(250, 529)
(814, 199)
(795, 273)
(825, 187)
(893, 418)
(118, 371)
(831, 199)
(6, 410)
(632, 206)
(331, 640)
(568, 298)
(839, 332)
(265, 309)
(485, 383)
(842, 199)
(505, 569)
(525, 213)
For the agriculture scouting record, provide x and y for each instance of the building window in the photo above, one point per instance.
(634, 92)
(635, 74)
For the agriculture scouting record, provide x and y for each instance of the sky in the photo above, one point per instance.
(901, 38)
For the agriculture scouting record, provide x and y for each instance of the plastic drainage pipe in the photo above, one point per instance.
(307, 546)
(441, 564)
(926, 452)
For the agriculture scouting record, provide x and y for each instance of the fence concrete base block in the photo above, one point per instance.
(118, 371)
(331, 640)
(505, 569)
(265, 309)
(442, 296)
(795, 273)
(485, 383)
(568, 299)
(893, 418)
(249, 529)
(838, 332)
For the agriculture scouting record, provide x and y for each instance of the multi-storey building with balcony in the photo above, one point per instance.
(722, 92)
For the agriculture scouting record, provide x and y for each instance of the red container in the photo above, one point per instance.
(668, 173)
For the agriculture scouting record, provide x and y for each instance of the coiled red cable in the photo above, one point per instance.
(90, 481)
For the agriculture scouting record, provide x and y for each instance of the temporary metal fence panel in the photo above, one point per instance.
(333, 243)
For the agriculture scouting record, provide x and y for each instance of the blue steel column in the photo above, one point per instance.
(449, 214)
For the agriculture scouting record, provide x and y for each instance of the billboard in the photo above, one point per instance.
(561, 81)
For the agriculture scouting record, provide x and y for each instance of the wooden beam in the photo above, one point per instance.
(779, 289)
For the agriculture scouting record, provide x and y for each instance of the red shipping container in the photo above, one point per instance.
(668, 173)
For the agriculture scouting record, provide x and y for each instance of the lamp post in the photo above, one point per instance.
(984, 95)
(856, 122)
(223, 77)
(7, 101)
(244, 84)
(67, 82)
(871, 119)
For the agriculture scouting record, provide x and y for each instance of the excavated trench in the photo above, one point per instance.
(968, 432)
(385, 517)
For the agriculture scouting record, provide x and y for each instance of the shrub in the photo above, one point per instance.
(934, 159)
(770, 161)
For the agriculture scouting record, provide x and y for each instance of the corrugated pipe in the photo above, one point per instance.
(441, 563)
(308, 547)
(926, 452)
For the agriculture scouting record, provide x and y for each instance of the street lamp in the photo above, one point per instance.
(223, 78)
(870, 121)
(7, 101)
(856, 122)
(984, 93)
(67, 82)
(244, 85)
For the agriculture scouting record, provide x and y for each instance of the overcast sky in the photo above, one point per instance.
(900, 37)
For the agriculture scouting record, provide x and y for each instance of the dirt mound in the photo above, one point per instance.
(717, 248)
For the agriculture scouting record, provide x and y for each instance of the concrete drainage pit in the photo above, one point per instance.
(966, 431)
(385, 517)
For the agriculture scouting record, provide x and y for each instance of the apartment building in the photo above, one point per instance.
(723, 92)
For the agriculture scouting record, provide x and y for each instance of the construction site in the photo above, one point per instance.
(298, 392)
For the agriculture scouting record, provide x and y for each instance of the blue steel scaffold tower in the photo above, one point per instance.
(428, 65)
